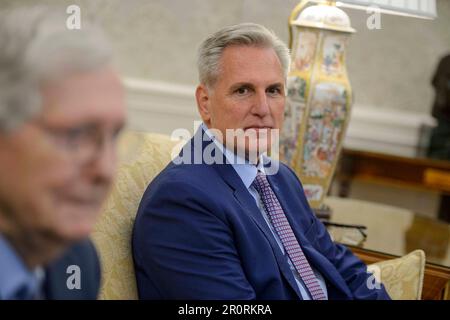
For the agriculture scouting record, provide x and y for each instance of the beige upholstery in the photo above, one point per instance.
(386, 229)
(143, 156)
(402, 277)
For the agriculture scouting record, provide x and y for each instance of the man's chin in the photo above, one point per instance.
(76, 232)
(77, 226)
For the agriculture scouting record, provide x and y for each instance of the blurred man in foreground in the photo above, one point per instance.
(61, 109)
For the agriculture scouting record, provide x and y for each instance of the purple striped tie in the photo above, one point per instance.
(285, 233)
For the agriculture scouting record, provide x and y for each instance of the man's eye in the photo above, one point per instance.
(76, 135)
(274, 91)
(117, 133)
(242, 91)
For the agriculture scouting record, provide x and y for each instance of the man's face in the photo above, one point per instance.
(249, 94)
(56, 170)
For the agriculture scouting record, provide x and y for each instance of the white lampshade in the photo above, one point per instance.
(413, 8)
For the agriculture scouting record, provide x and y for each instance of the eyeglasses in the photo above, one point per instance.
(81, 143)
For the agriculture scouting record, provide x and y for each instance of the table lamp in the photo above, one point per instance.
(319, 92)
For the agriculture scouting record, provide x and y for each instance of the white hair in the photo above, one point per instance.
(36, 46)
(244, 34)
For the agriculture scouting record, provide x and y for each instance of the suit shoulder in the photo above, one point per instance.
(84, 250)
(81, 260)
(188, 188)
(286, 171)
(184, 174)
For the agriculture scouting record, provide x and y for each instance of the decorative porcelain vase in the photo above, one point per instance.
(319, 96)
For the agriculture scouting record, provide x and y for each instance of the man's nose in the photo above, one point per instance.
(261, 105)
(103, 166)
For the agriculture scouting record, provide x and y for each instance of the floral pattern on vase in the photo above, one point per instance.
(333, 55)
(324, 129)
(293, 114)
(306, 48)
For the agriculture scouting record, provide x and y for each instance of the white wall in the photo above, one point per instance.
(390, 69)
(163, 107)
(157, 40)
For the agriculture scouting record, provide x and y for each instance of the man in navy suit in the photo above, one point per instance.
(61, 108)
(225, 221)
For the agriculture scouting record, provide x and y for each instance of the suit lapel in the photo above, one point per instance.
(315, 258)
(247, 202)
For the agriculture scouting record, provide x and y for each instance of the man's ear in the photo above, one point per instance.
(203, 103)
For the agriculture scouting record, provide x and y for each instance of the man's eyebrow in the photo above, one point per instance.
(276, 85)
(240, 85)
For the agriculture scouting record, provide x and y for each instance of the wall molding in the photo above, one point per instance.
(162, 107)
(399, 132)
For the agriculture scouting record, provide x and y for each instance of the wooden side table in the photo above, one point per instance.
(419, 174)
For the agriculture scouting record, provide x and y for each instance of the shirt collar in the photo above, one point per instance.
(245, 170)
(14, 274)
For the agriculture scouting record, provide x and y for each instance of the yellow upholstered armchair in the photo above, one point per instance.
(402, 277)
(142, 157)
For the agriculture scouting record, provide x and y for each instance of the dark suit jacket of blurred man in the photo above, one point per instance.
(59, 286)
(75, 275)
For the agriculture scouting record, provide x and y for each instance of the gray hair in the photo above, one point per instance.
(244, 34)
(36, 46)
